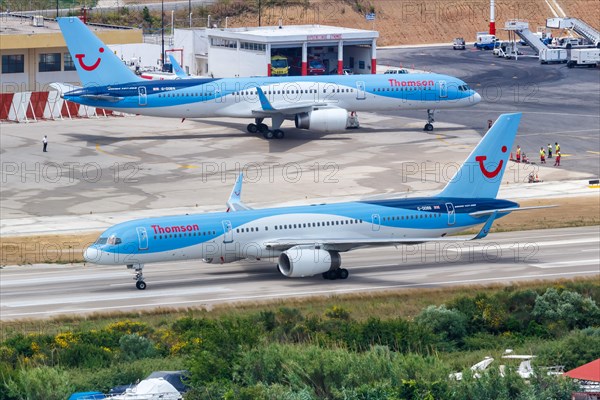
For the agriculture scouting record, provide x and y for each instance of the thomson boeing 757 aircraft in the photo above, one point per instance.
(308, 240)
(319, 103)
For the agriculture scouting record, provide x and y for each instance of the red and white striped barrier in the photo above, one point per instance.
(31, 106)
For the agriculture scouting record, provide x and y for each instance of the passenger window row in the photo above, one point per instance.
(414, 216)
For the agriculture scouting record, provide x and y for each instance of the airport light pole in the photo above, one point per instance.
(162, 33)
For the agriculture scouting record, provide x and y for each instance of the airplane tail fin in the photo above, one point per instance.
(177, 68)
(481, 173)
(95, 63)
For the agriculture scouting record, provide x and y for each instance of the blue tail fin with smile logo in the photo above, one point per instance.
(481, 174)
(95, 63)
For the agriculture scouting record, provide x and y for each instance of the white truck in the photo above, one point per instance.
(485, 41)
(584, 57)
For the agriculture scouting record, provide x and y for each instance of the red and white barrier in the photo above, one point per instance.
(31, 106)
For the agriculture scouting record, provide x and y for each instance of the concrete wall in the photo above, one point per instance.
(228, 63)
(148, 53)
(360, 54)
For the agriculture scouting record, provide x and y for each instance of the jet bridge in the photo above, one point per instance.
(577, 25)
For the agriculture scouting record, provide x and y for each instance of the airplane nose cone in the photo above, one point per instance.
(476, 98)
(92, 254)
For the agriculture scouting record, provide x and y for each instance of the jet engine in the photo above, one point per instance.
(324, 120)
(300, 261)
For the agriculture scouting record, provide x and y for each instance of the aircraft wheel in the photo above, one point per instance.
(268, 135)
(278, 134)
(428, 127)
(342, 273)
(252, 128)
(330, 275)
(141, 285)
(263, 128)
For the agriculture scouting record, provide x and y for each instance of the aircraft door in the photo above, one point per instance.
(227, 232)
(451, 213)
(142, 95)
(443, 89)
(361, 93)
(142, 238)
(375, 221)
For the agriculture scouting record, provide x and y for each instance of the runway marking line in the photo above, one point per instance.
(309, 293)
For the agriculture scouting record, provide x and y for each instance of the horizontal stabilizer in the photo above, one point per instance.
(102, 97)
(507, 210)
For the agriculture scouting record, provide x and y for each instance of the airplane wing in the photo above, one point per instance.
(351, 244)
(234, 203)
(268, 108)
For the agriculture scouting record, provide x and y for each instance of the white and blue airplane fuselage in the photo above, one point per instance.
(319, 103)
(308, 240)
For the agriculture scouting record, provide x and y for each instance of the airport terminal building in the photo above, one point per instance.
(34, 53)
(308, 50)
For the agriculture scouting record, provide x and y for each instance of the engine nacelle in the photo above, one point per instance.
(228, 258)
(302, 261)
(324, 120)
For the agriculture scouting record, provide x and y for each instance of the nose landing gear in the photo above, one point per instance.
(429, 125)
(139, 275)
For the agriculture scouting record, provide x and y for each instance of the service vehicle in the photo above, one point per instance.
(458, 44)
(584, 57)
(279, 66)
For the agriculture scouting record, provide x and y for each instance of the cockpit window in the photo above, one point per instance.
(101, 240)
(113, 240)
(464, 88)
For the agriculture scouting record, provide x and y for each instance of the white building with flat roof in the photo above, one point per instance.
(309, 50)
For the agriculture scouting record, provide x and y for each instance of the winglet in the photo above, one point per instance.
(486, 227)
(264, 102)
(235, 198)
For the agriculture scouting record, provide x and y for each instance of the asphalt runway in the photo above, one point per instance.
(43, 291)
(559, 104)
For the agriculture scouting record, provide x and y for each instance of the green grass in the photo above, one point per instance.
(402, 303)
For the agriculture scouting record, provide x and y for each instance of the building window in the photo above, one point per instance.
(69, 64)
(253, 46)
(13, 63)
(361, 65)
(220, 42)
(49, 62)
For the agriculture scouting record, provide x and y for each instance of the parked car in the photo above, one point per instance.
(458, 44)
(345, 71)
(396, 71)
(316, 67)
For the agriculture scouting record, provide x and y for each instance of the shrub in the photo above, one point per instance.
(568, 308)
(134, 347)
(450, 324)
(40, 383)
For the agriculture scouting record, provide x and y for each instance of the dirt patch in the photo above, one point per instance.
(398, 21)
(65, 249)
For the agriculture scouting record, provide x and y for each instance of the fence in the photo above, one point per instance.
(31, 106)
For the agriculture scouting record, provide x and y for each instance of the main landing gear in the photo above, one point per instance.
(139, 276)
(267, 133)
(340, 273)
(428, 126)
